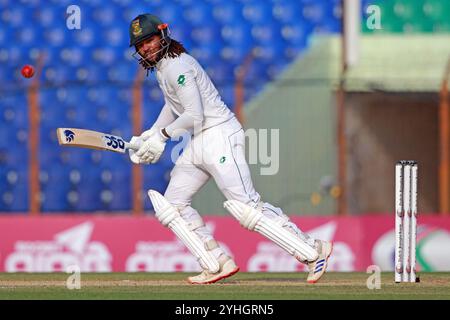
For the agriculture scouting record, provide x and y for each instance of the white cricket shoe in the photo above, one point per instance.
(318, 267)
(227, 269)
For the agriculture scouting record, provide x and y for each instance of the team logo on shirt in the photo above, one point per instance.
(222, 160)
(181, 79)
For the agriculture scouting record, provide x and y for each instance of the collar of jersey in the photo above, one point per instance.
(162, 63)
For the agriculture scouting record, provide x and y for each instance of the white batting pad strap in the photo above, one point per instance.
(247, 217)
(211, 244)
(253, 219)
(170, 217)
(164, 211)
(195, 224)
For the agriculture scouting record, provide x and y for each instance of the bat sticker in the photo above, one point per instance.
(70, 135)
(114, 142)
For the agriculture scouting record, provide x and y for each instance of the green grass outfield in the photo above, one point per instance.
(258, 286)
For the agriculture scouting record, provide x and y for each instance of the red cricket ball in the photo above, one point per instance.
(27, 71)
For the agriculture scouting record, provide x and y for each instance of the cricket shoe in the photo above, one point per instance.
(318, 267)
(227, 269)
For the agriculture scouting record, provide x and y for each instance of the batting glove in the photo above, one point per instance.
(139, 140)
(152, 149)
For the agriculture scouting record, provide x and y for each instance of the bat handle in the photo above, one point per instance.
(132, 146)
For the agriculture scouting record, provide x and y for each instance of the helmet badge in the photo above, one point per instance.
(136, 27)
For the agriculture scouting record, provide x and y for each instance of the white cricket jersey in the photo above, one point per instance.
(190, 95)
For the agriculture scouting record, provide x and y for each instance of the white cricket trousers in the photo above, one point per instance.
(217, 152)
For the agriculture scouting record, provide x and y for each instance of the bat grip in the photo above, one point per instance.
(133, 146)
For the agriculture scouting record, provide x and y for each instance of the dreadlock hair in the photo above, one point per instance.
(175, 49)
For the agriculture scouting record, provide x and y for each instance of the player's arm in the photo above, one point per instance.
(182, 79)
(166, 116)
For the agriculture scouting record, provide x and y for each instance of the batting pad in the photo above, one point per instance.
(254, 220)
(170, 217)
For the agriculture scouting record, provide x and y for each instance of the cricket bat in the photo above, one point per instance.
(93, 139)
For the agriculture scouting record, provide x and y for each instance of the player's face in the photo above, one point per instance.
(149, 48)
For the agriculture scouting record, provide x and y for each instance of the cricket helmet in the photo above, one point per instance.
(145, 26)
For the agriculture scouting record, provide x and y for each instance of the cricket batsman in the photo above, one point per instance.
(216, 149)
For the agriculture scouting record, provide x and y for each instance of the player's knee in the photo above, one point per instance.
(176, 201)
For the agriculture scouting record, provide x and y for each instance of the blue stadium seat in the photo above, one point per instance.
(107, 56)
(53, 106)
(86, 36)
(49, 152)
(238, 32)
(119, 198)
(208, 53)
(181, 34)
(227, 12)
(109, 161)
(172, 13)
(220, 72)
(270, 54)
(45, 16)
(156, 177)
(5, 36)
(76, 157)
(54, 174)
(317, 11)
(116, 36)
(7, 134)
(14, 199)
(123, 71)
(296, 34)
(287, 11)
(73, 56)
(6, 71)
(152, 92)
(13, 188)
(106, 15)
(257, 72)
(13, 175)
(234, 54)
(266, 33)
(205, 35)
(56, 37)
(87, 190)
(14, 16)
(14, 111)
(102, 95)
(55, 197)
(28, 35)
(330, 26)
(118, 183)
(18, 156)
(13, 56)
(257, 12)
(59, 74)
(125, 96)
(197, 15)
